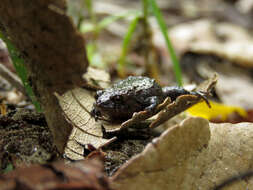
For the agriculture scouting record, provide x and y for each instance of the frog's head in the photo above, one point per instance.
(111, 104)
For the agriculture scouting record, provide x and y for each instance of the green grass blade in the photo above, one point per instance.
(110, 19)
(163, 27)
(106, 21)
(18, 63)
(125, 45)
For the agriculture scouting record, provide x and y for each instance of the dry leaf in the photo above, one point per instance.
(191, 156)
(143, 115)
(97, 78)
(76, 105)
(57, 176)
(181, 104)
(237, 52)
(204, 37)
(163, 162)
(235, 83)
(235, 89)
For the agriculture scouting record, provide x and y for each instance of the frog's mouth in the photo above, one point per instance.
(105, 108)
(113, 111)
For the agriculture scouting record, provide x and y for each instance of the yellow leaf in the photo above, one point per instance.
(217, 110)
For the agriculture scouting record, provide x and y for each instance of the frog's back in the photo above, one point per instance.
(138, 86)
(135, 83)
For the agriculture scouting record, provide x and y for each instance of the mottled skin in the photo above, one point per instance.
(131, 95)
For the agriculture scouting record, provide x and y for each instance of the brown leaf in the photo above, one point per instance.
(76, 105)
(143, 115)
(163, 162)
(178, 106)
(192, 156)
(86, 174)
(205, 37)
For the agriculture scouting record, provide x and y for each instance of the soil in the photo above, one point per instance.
(25, 138)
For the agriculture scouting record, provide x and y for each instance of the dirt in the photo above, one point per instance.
(25, 138)
(129, 143)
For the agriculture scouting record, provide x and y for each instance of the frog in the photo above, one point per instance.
(135, 94)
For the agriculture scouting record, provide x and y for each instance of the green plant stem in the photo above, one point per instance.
(148, 47)
(125, 45)
(89, 5)
(163, 27)
(145, 9)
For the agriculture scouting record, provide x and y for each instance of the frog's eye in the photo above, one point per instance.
(98, 93)
(117, 98)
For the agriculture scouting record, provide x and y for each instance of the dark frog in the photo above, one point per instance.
(134, 94)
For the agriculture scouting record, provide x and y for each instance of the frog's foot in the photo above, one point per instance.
(202, 95)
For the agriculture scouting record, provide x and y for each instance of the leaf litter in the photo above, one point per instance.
(207, 46)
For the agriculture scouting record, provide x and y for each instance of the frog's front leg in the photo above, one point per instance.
(174, 92)
(151, 103)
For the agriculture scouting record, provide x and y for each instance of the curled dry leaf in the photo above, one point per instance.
(192, 155)
(57, 176)
(76, 105)
(181, 104)
(143, 115)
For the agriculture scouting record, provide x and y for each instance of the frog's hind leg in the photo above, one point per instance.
(174, 92)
